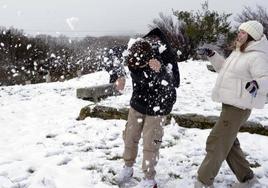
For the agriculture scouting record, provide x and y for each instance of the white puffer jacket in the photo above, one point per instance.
(238, 69)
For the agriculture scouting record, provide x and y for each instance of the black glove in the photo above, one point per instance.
(205, 51)
(252, 87)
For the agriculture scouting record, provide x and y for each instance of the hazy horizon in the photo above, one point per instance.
(79, 18)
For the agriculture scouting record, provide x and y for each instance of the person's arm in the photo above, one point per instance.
(217, 61)
(259, 72)
(171, 70)
(111, 60)
(118, 74)
(176, 74)
(150, 74)
(175, 79)
(120, 83)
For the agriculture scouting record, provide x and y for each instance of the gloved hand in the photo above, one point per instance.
(205, 51)
(252, 87)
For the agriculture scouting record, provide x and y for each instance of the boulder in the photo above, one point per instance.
(96, 93)
(183, 120)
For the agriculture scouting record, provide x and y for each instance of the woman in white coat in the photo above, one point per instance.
(242, 84)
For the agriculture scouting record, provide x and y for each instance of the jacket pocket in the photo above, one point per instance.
(245, 95)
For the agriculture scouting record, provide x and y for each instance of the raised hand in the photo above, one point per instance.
(205, 51)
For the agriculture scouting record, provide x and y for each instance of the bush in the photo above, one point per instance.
(205, 27)
(175, 33)
(31, 59)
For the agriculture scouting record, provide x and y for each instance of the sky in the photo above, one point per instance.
(43, 146)
(77, 18)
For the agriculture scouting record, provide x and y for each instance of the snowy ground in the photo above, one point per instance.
(42, 145)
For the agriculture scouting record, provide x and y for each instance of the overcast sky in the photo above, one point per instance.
(101, 17)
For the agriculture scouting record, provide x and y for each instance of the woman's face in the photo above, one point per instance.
(242, 37)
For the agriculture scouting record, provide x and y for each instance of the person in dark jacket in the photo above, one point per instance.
(112, 61)
(155, 75)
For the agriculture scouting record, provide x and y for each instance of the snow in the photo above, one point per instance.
(179, 53)
(53, 55)
(29, 46)
(71, 22)
(132, 41)
(162, 48)
(43, 146)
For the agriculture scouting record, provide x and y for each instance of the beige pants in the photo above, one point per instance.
(152, 129)
(222, 144)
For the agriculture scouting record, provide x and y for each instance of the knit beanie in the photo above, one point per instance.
(253, 28)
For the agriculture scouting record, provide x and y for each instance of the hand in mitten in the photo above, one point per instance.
(252, 87)
(205, 51)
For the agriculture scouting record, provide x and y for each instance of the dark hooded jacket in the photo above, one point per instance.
(154, 92)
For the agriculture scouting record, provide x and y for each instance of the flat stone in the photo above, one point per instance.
(95, 93)
(183, 120)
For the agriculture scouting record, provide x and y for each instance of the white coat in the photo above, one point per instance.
(238, 69)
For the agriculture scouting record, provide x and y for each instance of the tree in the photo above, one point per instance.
(259, 13)
(205, 27)
(174, 32)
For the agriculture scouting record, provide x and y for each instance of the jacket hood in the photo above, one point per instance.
(157, 32)
(167, 54)
(260, 46)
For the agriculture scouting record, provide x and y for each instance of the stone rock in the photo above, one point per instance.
(183, 120)
(95, 93)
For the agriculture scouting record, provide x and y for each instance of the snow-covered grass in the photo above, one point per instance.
(42, 144)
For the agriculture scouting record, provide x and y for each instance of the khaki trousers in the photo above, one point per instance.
(152, 129)
(222, 144)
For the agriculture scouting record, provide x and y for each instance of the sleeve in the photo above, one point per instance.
(217, 61)
(118, 68)
(115, 67)
(170, 57)
(176, 74)
(259, 72)
(146, 75)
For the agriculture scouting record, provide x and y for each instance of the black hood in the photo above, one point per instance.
(167, 54)
(157, 32)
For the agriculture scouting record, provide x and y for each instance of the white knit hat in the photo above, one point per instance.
(253, 28)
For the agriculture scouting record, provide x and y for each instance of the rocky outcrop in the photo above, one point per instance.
(184, 120)
(102, 112)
